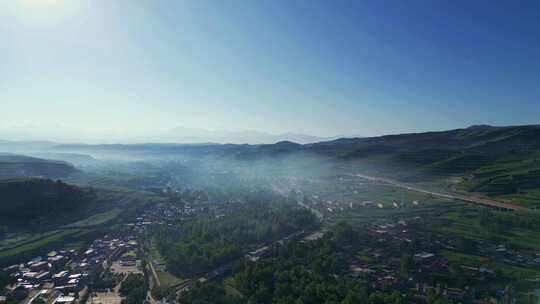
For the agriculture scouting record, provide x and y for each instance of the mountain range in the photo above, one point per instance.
(174, 135)
(486, 159)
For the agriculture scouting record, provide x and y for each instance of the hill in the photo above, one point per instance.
(496, 161)
(19, 165)
(25, 201)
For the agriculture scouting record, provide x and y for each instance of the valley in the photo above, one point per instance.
(273, 223)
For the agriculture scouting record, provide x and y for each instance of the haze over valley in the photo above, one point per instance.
(269, 152)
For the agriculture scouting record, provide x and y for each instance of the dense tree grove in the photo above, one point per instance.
(298, 273)
(302, 273)
(134, 289)
(208, 242)
(26, 200)
(208, 293)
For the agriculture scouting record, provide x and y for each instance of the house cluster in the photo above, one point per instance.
(55, 278)
(61, 276)
(383, 264)
(340, 206)
(163, 214)
(512, 256)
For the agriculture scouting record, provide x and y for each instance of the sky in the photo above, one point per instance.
(118, 69)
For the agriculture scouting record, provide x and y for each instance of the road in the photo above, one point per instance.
(453, 196)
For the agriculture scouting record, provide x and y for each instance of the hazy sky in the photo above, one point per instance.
(315, 67)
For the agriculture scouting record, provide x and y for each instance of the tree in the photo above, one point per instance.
(160, 292)
(433, 298)
(352, 298)
(406, 263)
(466, 245)
(134, 288)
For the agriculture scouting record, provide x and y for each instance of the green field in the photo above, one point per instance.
(168, 280)
(387, 195)
(15, 239)
(130, 254)
(466, 223)
(517, 273)
(96, 219)
(74, 245)
(20, 239)
(51, 237)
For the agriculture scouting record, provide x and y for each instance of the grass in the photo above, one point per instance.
(19, 239)
(467, 225)
(96, 219)
(517, 273)
(530, 198)
(230, 287)
(13, 239)
(130, 253)
(516, 182)
(364, 258)
(155, 255)
(526, 238)
(54, 236)
(362, 215)
(75, 245)
(168, 280)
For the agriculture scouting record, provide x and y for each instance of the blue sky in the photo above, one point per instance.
(316, 67)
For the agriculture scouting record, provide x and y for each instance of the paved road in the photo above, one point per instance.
(454, 196)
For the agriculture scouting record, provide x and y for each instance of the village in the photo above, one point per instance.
(63, 276)
(93, 274)
(396, 254)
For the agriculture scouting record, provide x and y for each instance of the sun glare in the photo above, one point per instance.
(39, 2)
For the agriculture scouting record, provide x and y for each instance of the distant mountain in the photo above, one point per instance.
(72, 158)
(25, 146)
(482, 139)
(18, 165)
(402, 147)
(193, 135)
(26, 135)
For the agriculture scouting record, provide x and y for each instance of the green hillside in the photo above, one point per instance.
(27, 201)
(18, 165)
(496, 161)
